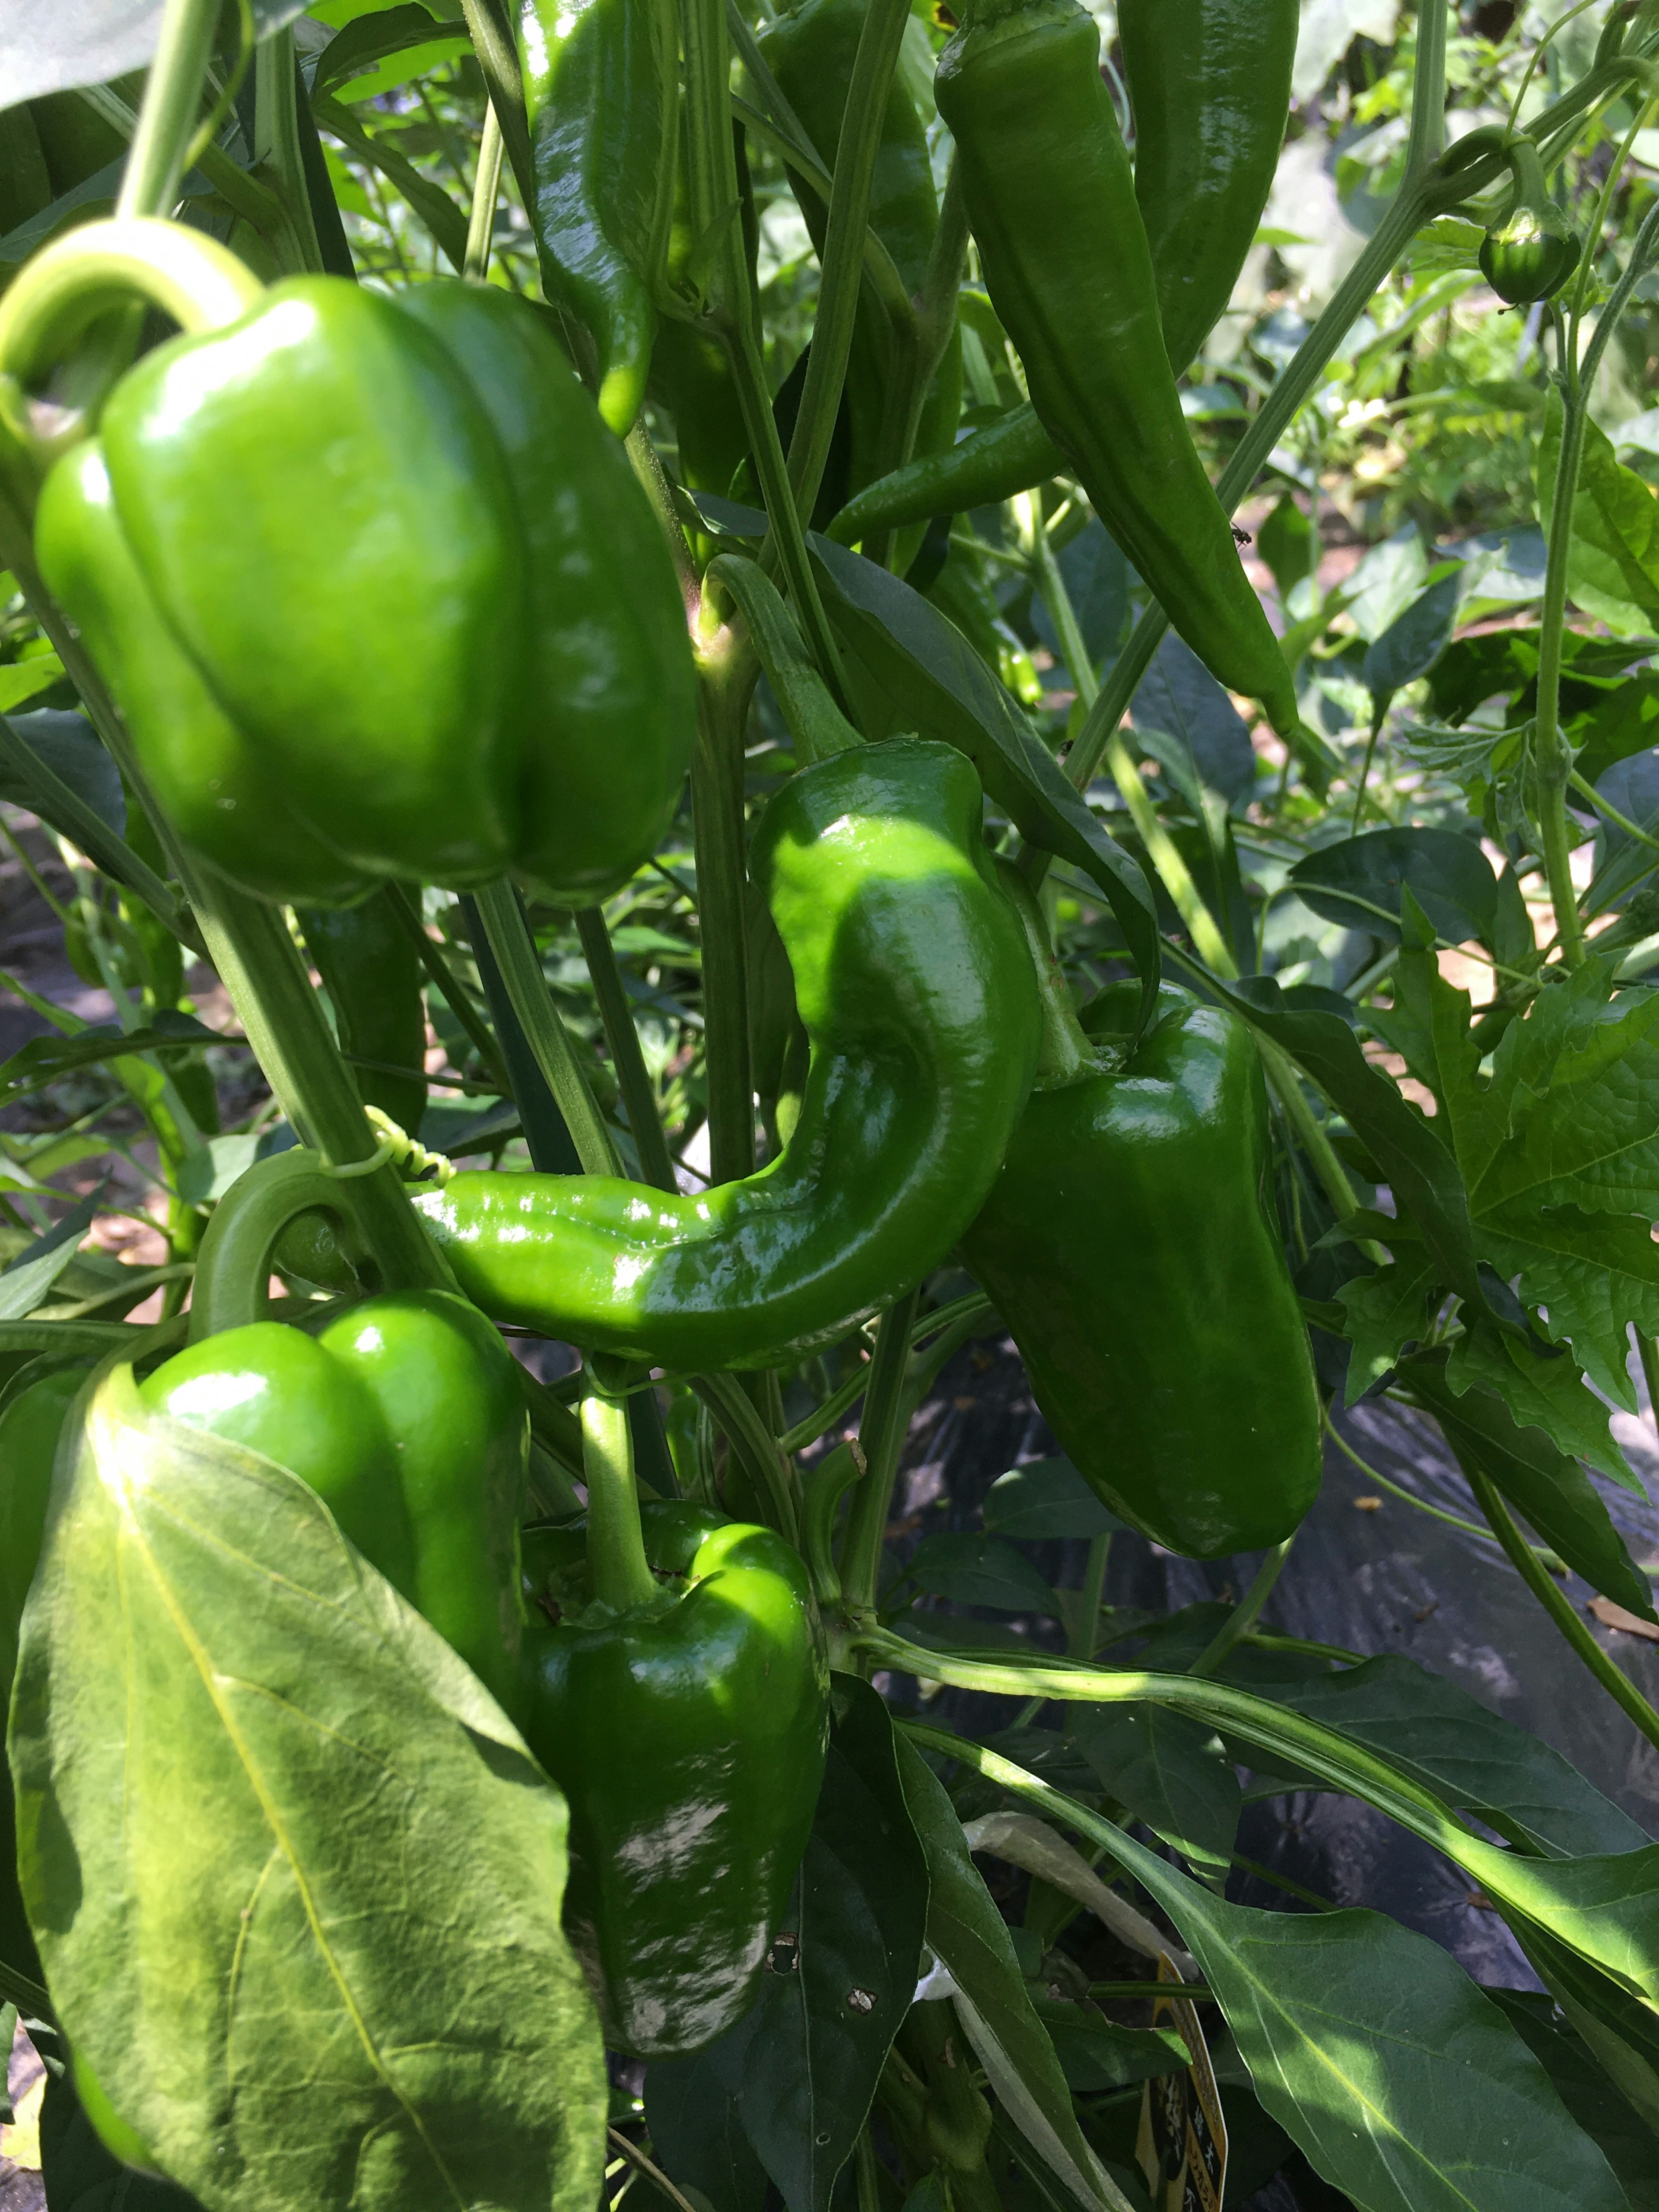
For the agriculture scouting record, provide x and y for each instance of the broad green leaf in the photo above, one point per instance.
(698, 2137)
(1582, 2084)
(1026, 1841)
(980, 1569)
(1402, 2084)
(1614, 552)
(1621, 2031)
(1540, 1392)
(1545, 1486)
(1096, 2054)
(246, 1777)
(800, 2069)
(1179, 700)
(1417, 636)
(969, 1938)
(1579, 1080)
(1169, 1772)
(1386, 1312)
(359, 46)
(1046, 1497)
(1359, 882)
(939, 685)
(1470, 1756)
(1594, 1272)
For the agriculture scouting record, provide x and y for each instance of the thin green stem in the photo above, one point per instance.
(1428, 124)
(842, 259)
(881, 1432)
(486, 190)
(755, 1445)
(1244, 1614)
(173, 100)
(510, 938)
(1516, 1883)
(1410, 1497)
(455, 994)
(617, 1568)
(727, 676)
(639, 1098)
(1561, 1609)
(1124, 1992)
(1552, 754)
(1085, 1627)
(491, 33)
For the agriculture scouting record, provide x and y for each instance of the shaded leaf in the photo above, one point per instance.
(799, 2070)
(1403, 2085)
(1540, 1392)
(1359, 884)
(1179, 699)
(1169, 1772)
(1386, 1311)
(74, 753)
(1046, 1497)
(970, 1939)
(56, 46)
(1547, 1488)
(1582, 2087)
(1472, 1757)
(980, 1569)
(27, 1281)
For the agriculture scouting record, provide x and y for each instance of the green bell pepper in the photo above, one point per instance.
(914, 985)
(688, 1732)
(489, 670)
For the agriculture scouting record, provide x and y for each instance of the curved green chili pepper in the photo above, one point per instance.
(601, 87)
(913, 981)
(1007, 457)
(1051, 203)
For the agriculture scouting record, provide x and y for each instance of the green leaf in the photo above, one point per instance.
(22, 680)
(79, 2174)
(1418, 1166)
(1547, 1487)
(1540, 1392)
(1046, 1497)
(970, 1939)
(1386, 1311)
(359, 46)
(246, 1809)
(1402, 2084)
(1474, 1757)
(1597, 1274)
(27, 1281)
(980, 1570)
(938, 684)
(1172, 1772)
(442, 217)
(74, 753)
(43, 1060)
(800, 2069)
(1096, 2054)
(1614, 549)
(1582, 2087)
(1358, 881)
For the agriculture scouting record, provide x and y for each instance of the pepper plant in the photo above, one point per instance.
(599, 678)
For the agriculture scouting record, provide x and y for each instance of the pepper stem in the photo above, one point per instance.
(56, 296)
(233, 1270)
(619, 1571)
(1067, 1056)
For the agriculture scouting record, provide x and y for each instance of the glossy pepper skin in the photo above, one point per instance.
(811, 51)
(914, 983)
(600, 80)
(406, 1416)
(374, 978)
(690, 1739)
(1127, 1244)
(1210, 84)
(1020, 87)
(489, 669)
(1531, 251)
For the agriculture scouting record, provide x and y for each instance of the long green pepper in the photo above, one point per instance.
(1051, 203)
